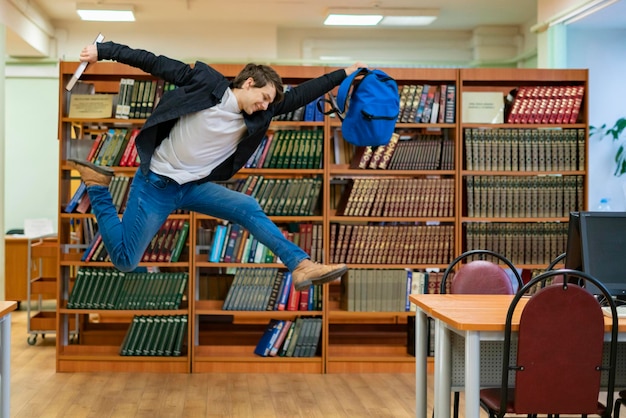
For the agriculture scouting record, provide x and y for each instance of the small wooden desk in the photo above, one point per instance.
(6, 307)
(475, 318)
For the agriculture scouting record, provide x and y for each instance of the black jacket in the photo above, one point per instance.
(201, 87)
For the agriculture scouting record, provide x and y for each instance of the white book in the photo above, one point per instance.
(81, 68)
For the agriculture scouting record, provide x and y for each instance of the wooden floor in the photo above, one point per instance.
(38, 391)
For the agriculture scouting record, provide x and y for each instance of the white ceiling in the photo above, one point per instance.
(168, 14)
(455, 14)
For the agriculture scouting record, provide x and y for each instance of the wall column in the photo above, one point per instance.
(2, 151)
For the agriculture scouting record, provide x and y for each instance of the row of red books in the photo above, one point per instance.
(115, 148)
(546, 104)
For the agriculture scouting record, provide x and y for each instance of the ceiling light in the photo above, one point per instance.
(407, 20)
(352, 19)
(105, 12)
(381, 16)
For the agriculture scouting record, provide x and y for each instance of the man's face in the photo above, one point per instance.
(257, 98)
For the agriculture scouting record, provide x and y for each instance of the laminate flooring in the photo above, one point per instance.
(38, 391)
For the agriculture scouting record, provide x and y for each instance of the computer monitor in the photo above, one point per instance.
(573, 252)
(603, 242)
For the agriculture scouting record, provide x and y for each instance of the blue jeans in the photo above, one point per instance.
(153, 197)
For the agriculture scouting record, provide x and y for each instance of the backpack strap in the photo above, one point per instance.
(332, 102)
(344, 88)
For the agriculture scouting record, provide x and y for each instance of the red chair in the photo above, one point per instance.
(481, 275)
(559, 358)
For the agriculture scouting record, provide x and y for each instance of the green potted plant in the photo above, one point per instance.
(614, 132)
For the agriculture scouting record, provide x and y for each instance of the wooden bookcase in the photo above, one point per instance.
(221, 340)
(527, 203)
(224, 340)
(101, 332)
(372, 341)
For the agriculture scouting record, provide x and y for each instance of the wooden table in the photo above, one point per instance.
(6, 307)
(475, 318)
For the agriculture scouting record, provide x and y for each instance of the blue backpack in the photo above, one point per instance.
(373, 104)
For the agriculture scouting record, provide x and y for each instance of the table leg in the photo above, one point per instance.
(421, 371)
(5, 361)
(443, 373)
(472, 374)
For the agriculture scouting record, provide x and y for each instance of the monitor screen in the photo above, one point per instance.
(603, 241)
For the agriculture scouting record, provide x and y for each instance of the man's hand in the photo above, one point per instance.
(349, 70)
(89, 54)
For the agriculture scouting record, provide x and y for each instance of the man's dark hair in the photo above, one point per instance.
(261, 74)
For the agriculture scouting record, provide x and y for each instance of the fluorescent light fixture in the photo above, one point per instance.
(105, 12)
(407, 20)
(380, 16)
(352, 19)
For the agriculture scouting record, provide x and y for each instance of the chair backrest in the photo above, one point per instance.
(480, 276)
(559, 348)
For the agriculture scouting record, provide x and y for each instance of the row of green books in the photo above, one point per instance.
(161, 335)
(290, 149)
(376, 290)
(109, 288)
(252, 288)
(278, 197)
(290, 338)
(268, 289)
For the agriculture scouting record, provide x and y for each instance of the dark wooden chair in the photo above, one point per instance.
(481, 274)
(559, 358)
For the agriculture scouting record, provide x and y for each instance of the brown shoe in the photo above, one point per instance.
(92, 174)
(309, 273)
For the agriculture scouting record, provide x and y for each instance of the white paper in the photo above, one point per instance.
(38, 227)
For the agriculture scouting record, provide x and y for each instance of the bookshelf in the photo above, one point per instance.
(520, 206)
(420, 224)
(374, 338)
(102, 329)
(225, 339)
